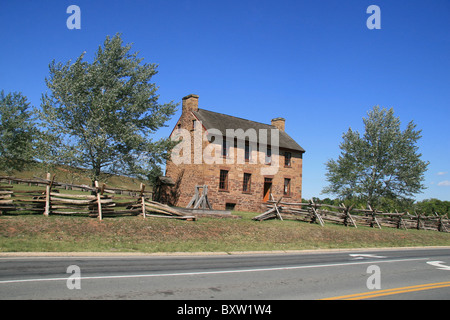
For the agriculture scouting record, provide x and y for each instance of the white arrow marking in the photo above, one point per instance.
(439, 264)
(359, 256)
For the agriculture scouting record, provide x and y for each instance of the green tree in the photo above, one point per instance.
(17, 132)
(100, 115)
(382, 163)
(431, 206)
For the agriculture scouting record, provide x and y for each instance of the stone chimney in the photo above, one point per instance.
(279, 123)
(190, 103)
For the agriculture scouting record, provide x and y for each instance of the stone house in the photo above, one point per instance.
(241, 173)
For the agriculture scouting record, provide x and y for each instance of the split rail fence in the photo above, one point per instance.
(99, 201)
(349, 216)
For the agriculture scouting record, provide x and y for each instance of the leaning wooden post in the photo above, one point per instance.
(143, 200)
(316, 215)
(99, 203)
(276, 207)
(374, 218)
(348, 217)
(401, 222)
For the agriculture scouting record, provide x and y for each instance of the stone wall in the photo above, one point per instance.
(187, 176)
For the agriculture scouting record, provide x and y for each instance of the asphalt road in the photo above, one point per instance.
(355, 274)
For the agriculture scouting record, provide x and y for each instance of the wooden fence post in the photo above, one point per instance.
(143, 200)
(48, 190)
(374, 217)
(47, 196)
(401, 222)
(418, 221)
(99, 203)
(442, 226)
(276, 207)
(316, 215)
(348, 217)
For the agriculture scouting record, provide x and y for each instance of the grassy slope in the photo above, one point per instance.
(135, 234)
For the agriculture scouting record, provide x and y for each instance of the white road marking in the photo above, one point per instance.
(439, 264)
(359, 256)
(208, 272)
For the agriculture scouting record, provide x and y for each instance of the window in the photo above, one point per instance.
(225, 148)
(247, 182)
(287, 187)
(247, 152)
(287, 159)
(194, 124)
(223, 180)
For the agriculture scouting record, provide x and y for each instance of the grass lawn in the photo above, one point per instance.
(36, 233)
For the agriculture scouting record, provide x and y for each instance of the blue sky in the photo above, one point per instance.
(314, 63)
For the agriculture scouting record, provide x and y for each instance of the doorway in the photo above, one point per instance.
(267, 189)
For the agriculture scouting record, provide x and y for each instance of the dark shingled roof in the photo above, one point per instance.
(222, 122)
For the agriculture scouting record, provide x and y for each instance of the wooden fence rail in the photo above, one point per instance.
(99, 201)
(319, 213)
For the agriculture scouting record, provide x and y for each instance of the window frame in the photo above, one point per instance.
(287, 159)
(247, 183)
(287, 187)
(247, 152)
(225, 148)
(223, 180)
